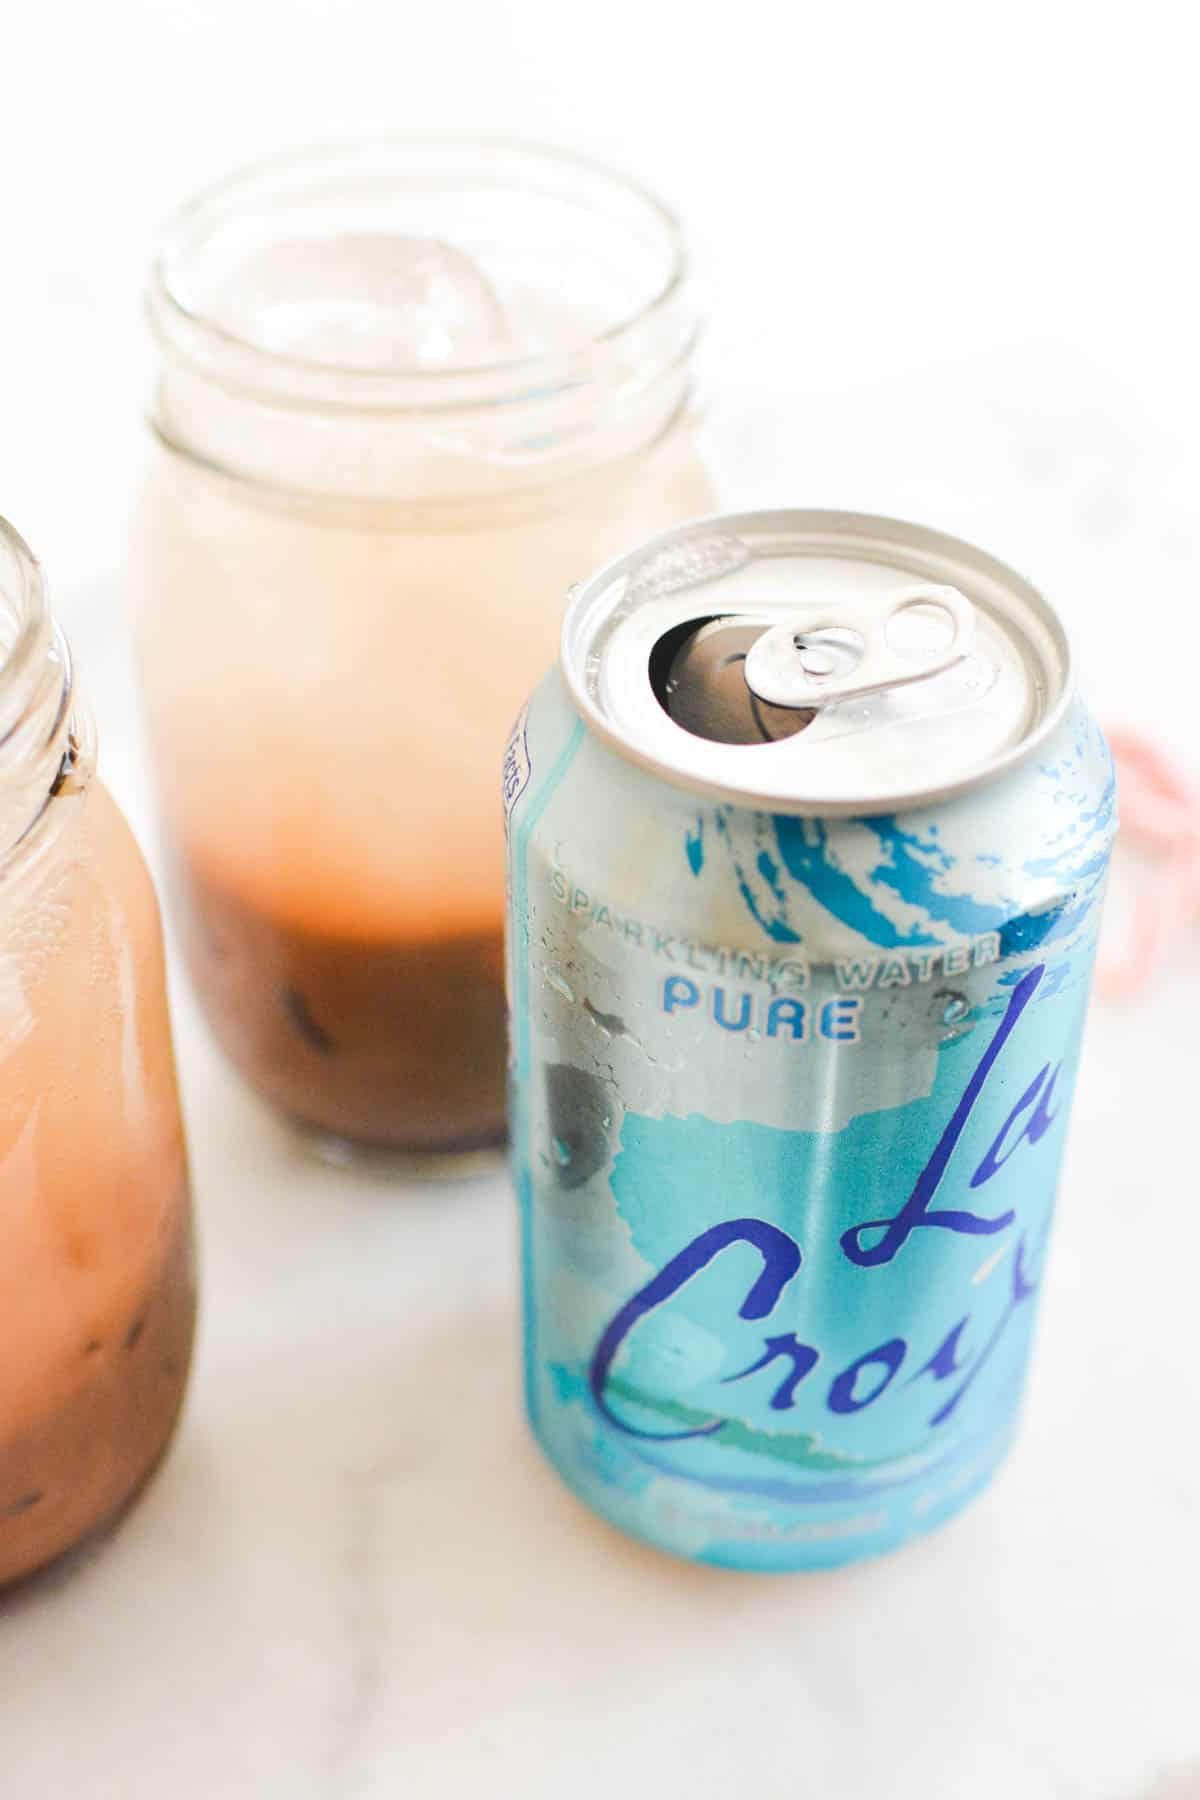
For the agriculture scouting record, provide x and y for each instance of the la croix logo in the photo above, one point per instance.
(868, 1245)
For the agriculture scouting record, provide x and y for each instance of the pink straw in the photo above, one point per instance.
(1160, 808)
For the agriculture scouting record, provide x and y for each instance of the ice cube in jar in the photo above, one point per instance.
(406, 395)
(365, 300)
(96, 1282)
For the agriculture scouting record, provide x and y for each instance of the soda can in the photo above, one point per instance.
(808, 835)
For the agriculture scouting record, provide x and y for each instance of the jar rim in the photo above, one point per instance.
(29, 607)
(184, 327)
(47, 741)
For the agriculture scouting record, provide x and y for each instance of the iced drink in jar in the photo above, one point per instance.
(96, 1281)
(405, 394)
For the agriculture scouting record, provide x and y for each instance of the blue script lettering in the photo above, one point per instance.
(875, 1370)
(802, 1357)
(781, 1259)
(843, 1397)
(945, 1360)
(1041, 1089)
(915, 1212)
(1022, 1288)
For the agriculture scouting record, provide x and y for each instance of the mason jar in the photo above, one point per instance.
(96, 1284)
(405, 395)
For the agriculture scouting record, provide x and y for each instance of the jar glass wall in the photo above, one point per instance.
(96, 1282)
(406, 395)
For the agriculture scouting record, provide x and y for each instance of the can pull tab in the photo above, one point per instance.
(836, 652)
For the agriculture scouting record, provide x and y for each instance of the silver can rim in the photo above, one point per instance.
(826, 527)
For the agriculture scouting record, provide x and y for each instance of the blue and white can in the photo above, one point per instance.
(808, 836)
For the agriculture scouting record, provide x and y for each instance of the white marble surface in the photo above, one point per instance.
(354, 1577)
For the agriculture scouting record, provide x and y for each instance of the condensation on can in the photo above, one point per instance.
(789, 1092)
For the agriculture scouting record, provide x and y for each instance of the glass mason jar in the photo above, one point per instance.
(406, 394)
(96, 1285)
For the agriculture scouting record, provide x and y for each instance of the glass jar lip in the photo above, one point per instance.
(533, 373)
(47, 740)
(31, 609)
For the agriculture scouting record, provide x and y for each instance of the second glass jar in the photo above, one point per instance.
(405, 396)
(97, 1297)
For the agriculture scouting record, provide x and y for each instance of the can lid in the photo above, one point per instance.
(816, 662)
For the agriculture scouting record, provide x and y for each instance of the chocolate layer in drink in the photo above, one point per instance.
(396, 1043)
(71, 1472)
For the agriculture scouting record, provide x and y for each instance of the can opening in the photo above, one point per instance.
(698, 673)
(878, 666)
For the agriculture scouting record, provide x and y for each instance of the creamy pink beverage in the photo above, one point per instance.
(96, 1285)
(406, 394)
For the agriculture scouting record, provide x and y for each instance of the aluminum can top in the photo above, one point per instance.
(816, 662)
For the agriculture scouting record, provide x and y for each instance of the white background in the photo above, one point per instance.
(871, 190)
(950, 258)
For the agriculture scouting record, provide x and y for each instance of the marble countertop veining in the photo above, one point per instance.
(354, 1578)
